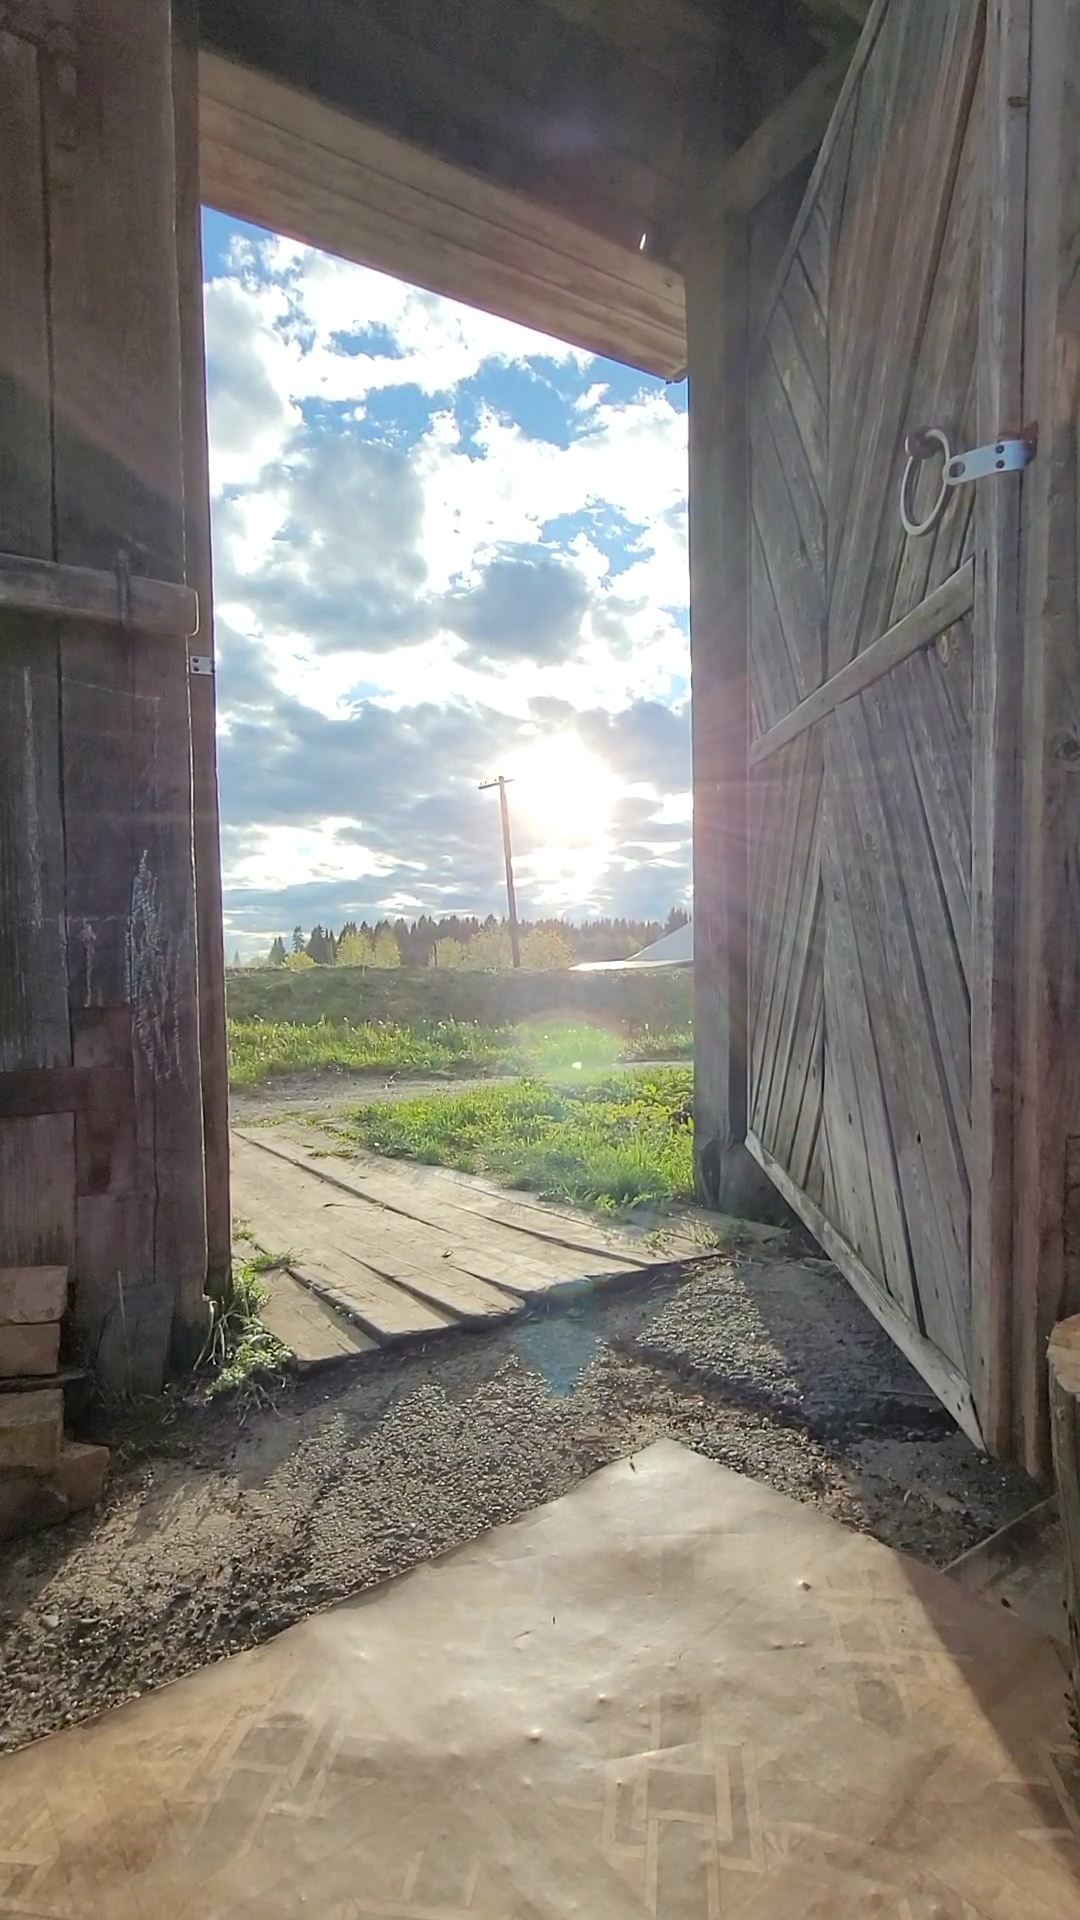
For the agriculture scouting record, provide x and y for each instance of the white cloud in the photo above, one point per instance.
(401, 603)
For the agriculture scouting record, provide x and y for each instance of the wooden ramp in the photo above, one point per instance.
(378, 1251)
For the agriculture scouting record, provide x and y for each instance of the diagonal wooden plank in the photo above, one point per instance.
(797, 585)
(918, 629)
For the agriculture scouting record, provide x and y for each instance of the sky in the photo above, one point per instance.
(445, 548)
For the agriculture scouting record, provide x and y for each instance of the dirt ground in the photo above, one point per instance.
(226, 1523)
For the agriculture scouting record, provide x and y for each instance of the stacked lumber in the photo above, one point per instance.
(44, 1476)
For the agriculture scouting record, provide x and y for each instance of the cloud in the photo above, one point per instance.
(524, 604)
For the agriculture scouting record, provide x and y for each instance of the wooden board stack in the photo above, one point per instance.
(43, 1476)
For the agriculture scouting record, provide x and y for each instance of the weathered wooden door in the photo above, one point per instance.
(875, 713)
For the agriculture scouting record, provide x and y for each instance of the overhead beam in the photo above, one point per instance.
(282, 159)
(787, 137)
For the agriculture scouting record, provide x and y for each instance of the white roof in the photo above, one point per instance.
(674, 950)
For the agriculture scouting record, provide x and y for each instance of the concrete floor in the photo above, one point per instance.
(672, 1691)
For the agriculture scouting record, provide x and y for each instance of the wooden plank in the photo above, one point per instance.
(474, 1268)
(140, 1257)
(998, 679)
(287, 1220)
(787, 136)
(34, 1028)
(428, 1194)
(29, 1350)
(307, 1325)
(273, 154)
(30, 1295)
(369, 67)
(37, 1181)
(939, 1373)
(36, 1090)
(920, 628)
(1047, 944)
(198, 562)
(149, 606)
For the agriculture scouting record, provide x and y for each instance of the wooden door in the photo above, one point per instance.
(868, 730)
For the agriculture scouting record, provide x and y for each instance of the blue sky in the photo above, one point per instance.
(444, 547)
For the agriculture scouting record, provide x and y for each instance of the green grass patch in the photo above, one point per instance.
(621, 1140)
(238, 1344)
(259, 1049)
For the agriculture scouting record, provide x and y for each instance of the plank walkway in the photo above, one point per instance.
(380, 1251)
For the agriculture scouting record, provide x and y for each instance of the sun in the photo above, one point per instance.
(565, 792)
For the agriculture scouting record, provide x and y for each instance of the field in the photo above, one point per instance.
(620, 1140)
(259, 1049)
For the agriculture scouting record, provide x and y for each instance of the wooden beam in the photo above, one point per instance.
(792, 133)
(487, 87)
(37, 1156)
(718, 308)
(919, 628)
(278, 157)
(998, 653)
(148, 606)
(198, 561)
(1046, 1279)
(936, 1369)
(140, 1254)
(31, 1091)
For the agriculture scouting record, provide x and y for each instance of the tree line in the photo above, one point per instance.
(458, 941)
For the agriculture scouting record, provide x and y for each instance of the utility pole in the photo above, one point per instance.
(511, 897)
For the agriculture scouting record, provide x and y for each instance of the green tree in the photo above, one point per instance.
(276, 956)
(545, 950)
(449, 954)
(298, 939)
(355, 949)
(320, 947)
(385, 950)
(489, 949)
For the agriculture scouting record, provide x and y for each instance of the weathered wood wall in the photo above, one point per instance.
(97, 936)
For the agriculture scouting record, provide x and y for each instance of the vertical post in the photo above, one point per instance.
(213, 1041)
(717, 275)
(118, 503)
(1046, 1266)
(508, 861)
(508, 856)
(998, 653)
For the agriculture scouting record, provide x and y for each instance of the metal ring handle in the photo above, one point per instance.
(920, 447)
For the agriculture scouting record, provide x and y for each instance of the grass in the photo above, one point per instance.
(259, 1049)
(238, 1343)
(622, 1140)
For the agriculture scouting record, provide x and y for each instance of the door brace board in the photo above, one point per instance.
(919, 628)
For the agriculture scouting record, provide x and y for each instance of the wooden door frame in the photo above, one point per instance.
(1046, 1242)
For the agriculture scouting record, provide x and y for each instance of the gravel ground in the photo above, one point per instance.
(226, 1523)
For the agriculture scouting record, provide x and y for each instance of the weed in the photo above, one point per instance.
(238, 1343)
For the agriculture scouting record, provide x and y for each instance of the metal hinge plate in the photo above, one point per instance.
(1007, 455)
(201, 663)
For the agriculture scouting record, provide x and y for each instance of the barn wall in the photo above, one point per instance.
(100, 1114)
